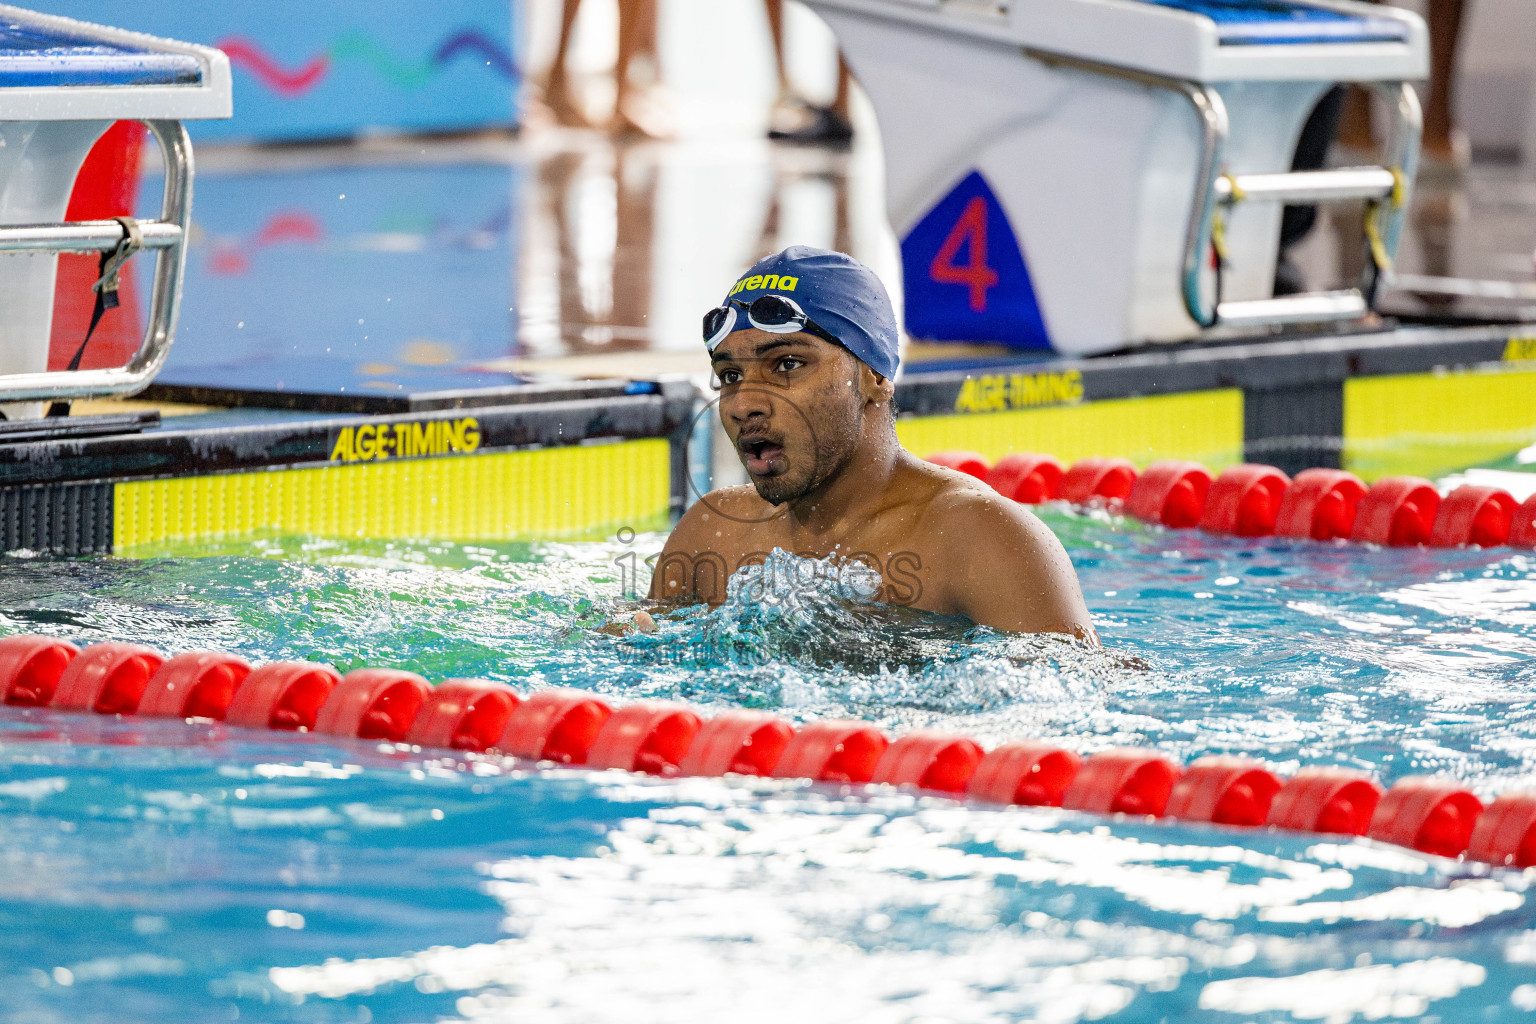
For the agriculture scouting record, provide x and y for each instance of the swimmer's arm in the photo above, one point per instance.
(1004, 568)
(691, 566)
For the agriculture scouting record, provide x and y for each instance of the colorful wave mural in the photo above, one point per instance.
(327, 69)
(247, 54)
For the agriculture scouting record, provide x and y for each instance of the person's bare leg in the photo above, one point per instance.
(793, 116)
(631, 14)
(637, 108)
(647, 41)
(557, 90)
(1445, 19)
(775, 12)
(1356, 130)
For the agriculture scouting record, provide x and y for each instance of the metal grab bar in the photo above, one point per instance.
(1307, 186)
(1295, 309)
(168, 234)
(1387, 188)
(84, 236)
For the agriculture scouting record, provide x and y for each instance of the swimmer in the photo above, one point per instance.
(804, 352)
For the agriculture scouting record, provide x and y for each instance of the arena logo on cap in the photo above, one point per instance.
(767, 282)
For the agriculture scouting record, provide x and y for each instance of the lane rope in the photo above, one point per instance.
(573, 727)
(1252, 500)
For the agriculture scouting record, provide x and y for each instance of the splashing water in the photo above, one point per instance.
(171, 871)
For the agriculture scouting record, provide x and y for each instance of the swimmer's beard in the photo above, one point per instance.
(780, 484)
(776, 488)
(785, 486)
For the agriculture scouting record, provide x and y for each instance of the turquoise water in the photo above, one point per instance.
(180, 872)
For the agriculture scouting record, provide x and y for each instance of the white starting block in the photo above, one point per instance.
(62, 84)
(1063, 173)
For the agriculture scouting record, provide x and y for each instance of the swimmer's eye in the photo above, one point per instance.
(788, 364)
(725, 377)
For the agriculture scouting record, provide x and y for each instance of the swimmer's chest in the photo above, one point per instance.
(908, 560)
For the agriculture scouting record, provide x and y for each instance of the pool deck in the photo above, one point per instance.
(357, 314)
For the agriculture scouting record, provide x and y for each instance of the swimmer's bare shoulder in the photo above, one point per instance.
(998, 564)
(707, 544)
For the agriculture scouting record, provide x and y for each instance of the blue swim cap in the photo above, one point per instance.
(840, 295)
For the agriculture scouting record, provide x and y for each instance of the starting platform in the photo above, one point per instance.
(1081, 175)
(63, 83)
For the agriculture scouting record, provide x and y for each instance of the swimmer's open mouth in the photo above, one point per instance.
(761, 455)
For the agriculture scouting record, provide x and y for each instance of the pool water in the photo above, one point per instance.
(177, 871)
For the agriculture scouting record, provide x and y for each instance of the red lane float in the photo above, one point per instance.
(1034, 774)
(1320, 504)
(835, 751)
(1127, 781)
(1428, 815)
(1506, 832)
(1097, 480)
(1255, 501)
(1522, 526)
(464, 714)
(929, 760)
(1473, 515)
(108, 679)
(555, 725)
(282, 695)
(373, 704)
(1432, 816)
(971, 463)
(197, 684)
(30, 667)
(1224, 791)
(743, 742)
(1170, 493)
(1244, 501)
(1398, 511)
(1027, 479)
(1326, 800)
(648, 736)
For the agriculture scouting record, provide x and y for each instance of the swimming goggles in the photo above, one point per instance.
(772, 313)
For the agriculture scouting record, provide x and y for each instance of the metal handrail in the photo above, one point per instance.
(1402, 154)
(168, 234)
(1214, 127)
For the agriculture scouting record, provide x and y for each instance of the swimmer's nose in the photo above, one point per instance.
(746, 404)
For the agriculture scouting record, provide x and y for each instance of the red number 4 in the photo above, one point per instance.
(976, 275)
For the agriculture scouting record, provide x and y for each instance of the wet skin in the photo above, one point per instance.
(813, 428)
